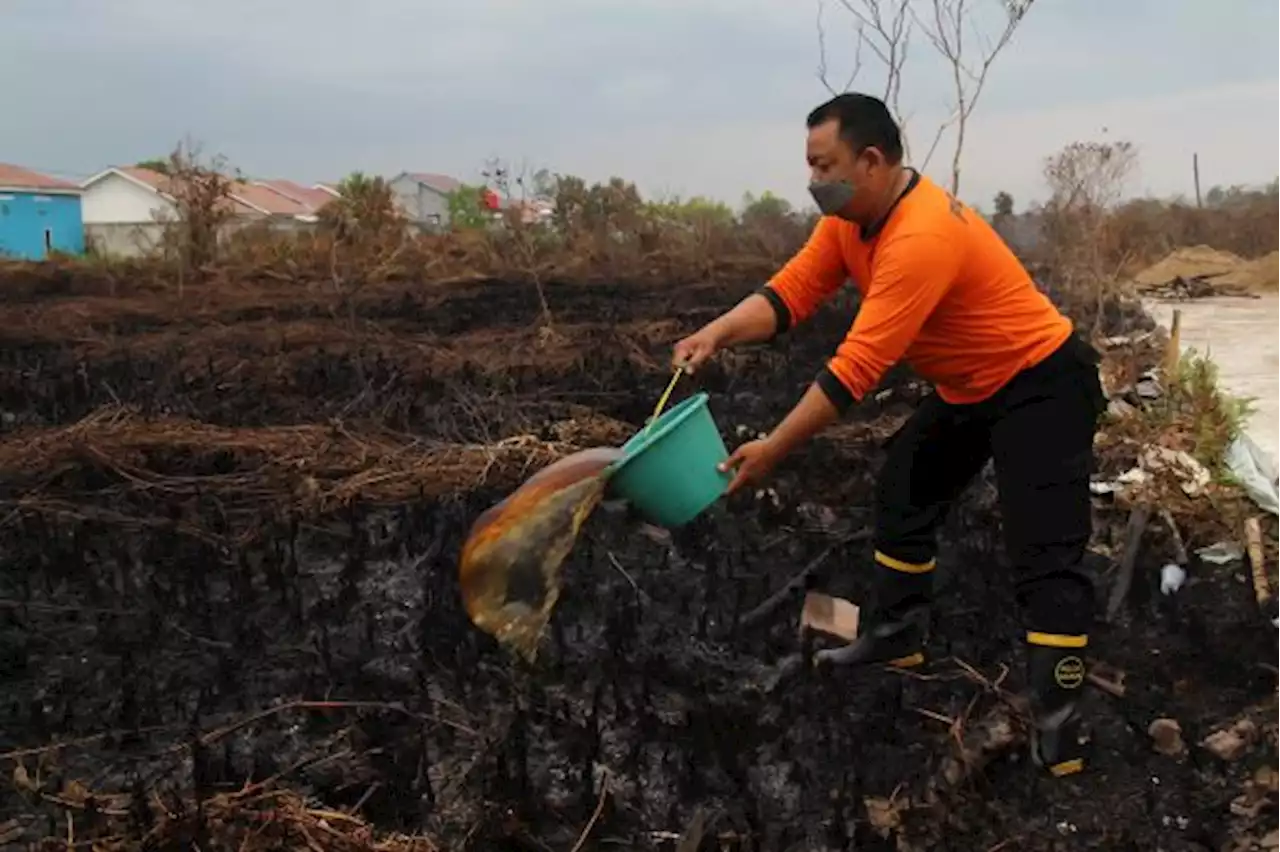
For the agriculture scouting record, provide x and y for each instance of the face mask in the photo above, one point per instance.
(831, 196)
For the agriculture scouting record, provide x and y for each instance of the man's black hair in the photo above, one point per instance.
(864, 122)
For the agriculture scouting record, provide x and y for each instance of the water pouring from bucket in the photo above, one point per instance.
(510, 566)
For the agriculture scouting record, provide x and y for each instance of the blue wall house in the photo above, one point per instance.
(38, 215)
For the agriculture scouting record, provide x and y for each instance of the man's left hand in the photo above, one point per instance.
(752, 463)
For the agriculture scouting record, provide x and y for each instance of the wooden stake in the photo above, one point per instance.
(1253, 543)
(1173, 350)
(1132, 542)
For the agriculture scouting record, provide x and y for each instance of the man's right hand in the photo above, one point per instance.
(752, 320)
(690, 353)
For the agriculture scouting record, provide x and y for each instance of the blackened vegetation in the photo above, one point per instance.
(172, 639)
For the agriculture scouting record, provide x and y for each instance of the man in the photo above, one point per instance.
(941, 290)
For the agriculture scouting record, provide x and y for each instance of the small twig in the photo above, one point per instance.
(1124, 577)
(957, 726)
(1115, 690)
(595, 815)
(796, 584)
(219, 733)
(974, 675)
(778, 599)
(1179, 546)
(613, 560)
(82, 741)
(365, 797)
(937, 717)
(200, 640)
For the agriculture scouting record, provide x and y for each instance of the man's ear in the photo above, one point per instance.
(873, 157)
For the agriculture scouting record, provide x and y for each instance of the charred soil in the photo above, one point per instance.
(229, 611)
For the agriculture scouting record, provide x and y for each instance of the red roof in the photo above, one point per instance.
(157, 181)
(16, 177)
(267, 199)
(309, 196)
(162, 183)
(275, 197)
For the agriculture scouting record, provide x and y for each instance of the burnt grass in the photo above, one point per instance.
(155, 658)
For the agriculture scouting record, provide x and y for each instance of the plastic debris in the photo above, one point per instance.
(1254, 469)
(510, 567)
(1171, 578)
(1221, 553)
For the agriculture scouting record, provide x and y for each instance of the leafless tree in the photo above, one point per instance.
(884, 27)
(514, 186)
(1089, 175)
(200, 199)
(945, 26)
(1087, 180)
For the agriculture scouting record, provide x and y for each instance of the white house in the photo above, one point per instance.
(125, 196)
(125, 207)
(424, 197)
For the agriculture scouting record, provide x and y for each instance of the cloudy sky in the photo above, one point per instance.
(683, 96)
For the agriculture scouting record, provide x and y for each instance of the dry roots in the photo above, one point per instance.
(313, 468)
(254, 819)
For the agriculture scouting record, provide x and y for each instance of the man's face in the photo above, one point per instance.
(833, 159)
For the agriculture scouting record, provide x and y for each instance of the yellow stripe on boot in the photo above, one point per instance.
(1067, 767)
(1057, 640)
(905, 567)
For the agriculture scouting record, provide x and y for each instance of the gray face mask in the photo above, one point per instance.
(831, 196)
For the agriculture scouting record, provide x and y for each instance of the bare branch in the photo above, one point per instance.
(945, 29)
(822, 55)
(937, 138)
(884, 27)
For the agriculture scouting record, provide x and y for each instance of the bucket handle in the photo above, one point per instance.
(662, 400)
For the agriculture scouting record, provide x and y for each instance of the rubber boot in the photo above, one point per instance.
(893, 626)
(897, 642)
(1057, 676)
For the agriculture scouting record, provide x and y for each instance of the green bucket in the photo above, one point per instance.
(668, 470)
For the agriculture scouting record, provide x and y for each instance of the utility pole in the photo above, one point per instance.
(1195, 171)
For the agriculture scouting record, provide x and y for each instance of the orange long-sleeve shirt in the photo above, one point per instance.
(939, 288)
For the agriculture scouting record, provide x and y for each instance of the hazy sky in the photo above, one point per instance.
(682, 96)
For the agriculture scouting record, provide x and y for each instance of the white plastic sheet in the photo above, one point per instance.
(1253, 468)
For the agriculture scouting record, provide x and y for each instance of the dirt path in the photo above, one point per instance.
(1242, 337)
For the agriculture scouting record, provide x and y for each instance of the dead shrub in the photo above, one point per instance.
(1085, 179)
(202, 208)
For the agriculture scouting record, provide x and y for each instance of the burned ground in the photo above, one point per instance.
(229, 608)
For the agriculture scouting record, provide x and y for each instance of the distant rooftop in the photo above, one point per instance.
(16, 177)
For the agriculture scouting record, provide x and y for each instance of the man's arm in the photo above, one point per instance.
(792, 295)
(911, 276)
(810, 278)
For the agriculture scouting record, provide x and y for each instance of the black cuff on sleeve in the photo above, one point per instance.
(830, 384)
(780, 309)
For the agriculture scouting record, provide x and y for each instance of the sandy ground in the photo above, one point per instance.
(1243, 338)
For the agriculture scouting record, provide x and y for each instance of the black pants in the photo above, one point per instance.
(1039, 430)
